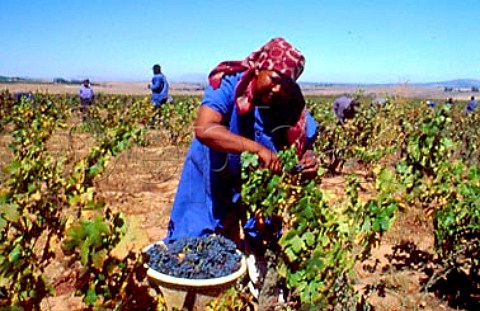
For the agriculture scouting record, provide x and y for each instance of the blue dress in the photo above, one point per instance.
(210, 182)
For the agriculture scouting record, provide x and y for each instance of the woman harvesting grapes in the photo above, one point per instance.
(254, 105)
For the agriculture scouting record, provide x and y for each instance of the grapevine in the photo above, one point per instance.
(319, 242)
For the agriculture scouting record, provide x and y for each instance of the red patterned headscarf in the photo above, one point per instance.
(277, 55)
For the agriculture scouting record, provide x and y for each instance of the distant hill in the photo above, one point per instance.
(457, 83)
(4, 79)
(9, 80)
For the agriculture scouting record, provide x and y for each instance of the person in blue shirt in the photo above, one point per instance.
(470, 107)
(158, 86)
(254, 105)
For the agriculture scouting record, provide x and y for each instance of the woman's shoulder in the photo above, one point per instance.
(227, 86)
(231, 81)
(222, 98)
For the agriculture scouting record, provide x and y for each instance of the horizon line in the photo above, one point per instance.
(20, 79)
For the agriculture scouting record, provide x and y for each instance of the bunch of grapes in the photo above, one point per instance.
(203, 257)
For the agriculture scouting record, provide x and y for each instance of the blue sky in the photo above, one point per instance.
(369, 41)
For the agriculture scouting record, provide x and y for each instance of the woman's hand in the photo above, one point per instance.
(270, 160)
(309, 164)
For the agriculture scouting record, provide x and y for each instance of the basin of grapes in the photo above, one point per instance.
(192, 271)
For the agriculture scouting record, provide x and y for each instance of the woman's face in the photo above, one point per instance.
(271, 87)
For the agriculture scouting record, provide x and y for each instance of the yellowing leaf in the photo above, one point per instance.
(36, 196)
(134, 239)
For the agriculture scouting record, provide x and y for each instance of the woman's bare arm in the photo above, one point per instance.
(211, 132)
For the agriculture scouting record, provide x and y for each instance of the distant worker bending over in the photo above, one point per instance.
(25, 95)
(431, 103)
(344, 108)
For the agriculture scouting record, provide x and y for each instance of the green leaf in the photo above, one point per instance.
(290, 254)
(9, 212)
(309, 238)
(91, 297)
(324, 240)
(15, 254)
(367, 225)
(297, 244)
(3, 223)
(294, 279)
(85, 252)
(384, 224)
(93, 171)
